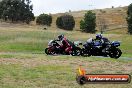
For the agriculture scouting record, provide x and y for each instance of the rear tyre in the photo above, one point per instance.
(85, 53)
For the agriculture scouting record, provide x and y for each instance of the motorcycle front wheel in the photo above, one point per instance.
(48, 52)
(76, 52)
(116, 53)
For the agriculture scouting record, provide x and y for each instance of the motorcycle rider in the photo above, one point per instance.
(65, 44)
(103, 42)
(99, 38)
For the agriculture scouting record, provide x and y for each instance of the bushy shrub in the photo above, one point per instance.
(65, 22)
(44, 19)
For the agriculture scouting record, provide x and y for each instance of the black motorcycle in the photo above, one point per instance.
(96, 48)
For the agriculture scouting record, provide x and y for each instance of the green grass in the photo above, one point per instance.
(6, 56)
(35, 41)
(25, 41)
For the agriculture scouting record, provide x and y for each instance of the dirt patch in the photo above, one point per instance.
(90, 66)
(31, 62)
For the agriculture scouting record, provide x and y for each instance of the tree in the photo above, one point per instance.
(129, 18)
(16, 10)
(65, 22)
(88, 24)
(1, 9)
(44, 19)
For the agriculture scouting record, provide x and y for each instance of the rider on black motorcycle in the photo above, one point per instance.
(103, 42)
(102, 39)
(65, 44)
(99, 39)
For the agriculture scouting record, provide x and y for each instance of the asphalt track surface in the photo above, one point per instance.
(121, 58)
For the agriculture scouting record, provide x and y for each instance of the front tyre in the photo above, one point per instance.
(115, 53)
(76, 52)
(47, 51)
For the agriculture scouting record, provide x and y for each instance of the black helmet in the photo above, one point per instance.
(98, 36)
(60, 37)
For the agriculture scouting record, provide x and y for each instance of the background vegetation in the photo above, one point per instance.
(44, 19)
(66, 22)
(89, 23)
(16, 10)
(129, 18)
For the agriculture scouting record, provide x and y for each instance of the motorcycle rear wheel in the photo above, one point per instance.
(85, 53)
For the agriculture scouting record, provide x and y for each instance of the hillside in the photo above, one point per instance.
(115, 18)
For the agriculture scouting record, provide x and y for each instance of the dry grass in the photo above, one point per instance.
(44, 71)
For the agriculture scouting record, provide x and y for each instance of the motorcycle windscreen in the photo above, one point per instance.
(116, 43)
(50, 43)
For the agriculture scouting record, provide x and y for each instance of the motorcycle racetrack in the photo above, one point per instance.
(23, 63)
